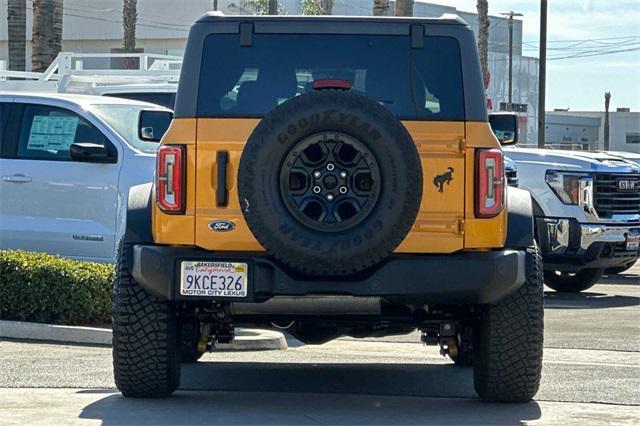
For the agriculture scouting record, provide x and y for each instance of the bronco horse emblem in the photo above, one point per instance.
(440, 180)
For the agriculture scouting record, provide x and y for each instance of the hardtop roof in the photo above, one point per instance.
(445, 19)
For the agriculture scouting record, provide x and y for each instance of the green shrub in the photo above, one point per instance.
(43, 288)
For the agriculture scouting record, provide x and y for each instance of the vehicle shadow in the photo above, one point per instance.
(587, 300)
(299, 393)
(624, 278)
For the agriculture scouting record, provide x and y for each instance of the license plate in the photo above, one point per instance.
(633, 242)
(220, 279)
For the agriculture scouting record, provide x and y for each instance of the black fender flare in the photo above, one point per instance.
(519, 219)
(138, 220)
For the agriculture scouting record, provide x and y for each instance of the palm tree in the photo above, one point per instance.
(483, 38)
(317, 7)
(46, 37)
(17, 34)
(380, 7)
(404, 7)
(273, 7)
(129, 19)
(256, 7)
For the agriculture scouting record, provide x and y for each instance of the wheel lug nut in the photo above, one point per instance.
(316, 189)
(330, 197)
(317, 174)
(330, 167)
(343, 190)
(343, 175)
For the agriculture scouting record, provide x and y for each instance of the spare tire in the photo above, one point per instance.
(330, 183)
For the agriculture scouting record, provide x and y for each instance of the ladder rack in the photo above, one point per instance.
(85, 72)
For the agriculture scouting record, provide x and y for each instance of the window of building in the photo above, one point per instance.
(633, 138)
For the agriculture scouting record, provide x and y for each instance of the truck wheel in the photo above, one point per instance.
(569, 282)
(507, 350)
(145, 353)
(189, 339)
(620, 269)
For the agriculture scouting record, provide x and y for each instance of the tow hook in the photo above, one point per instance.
(447, 339)
(218, 329)
(445, 336)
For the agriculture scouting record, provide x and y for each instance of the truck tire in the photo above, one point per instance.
(330, 183)
(620, 269)
(145, 353)
(507, 358)
(567, 282)
(189, 339)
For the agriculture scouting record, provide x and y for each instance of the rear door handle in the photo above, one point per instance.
(18, 178)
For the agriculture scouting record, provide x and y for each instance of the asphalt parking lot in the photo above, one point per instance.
(591, 375)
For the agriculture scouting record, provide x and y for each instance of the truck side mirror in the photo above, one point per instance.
(153, 124)
(505, 127)
(88, 152)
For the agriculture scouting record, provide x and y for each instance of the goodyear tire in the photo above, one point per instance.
(330, 183)
(145, 353)
(507, 358)
(564, 282)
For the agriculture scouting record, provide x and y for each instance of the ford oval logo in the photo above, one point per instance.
(222, 226)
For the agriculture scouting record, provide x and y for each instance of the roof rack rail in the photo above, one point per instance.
(83, 72)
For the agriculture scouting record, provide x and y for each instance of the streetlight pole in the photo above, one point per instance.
(510, 15)
(542, 74)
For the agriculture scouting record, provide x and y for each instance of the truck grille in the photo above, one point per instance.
(610, 200)
(512, 177)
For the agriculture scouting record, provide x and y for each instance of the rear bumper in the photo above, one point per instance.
(453, 279)
(568, 245)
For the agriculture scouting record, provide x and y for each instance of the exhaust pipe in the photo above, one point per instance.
(310, 305)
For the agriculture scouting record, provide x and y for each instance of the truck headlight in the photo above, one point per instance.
(572, 188)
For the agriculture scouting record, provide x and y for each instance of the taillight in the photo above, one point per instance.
(490, 182)
(170, 179)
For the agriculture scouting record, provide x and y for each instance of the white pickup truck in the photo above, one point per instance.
(586, 207)
(66, 165)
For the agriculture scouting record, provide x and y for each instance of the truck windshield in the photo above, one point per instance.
(123, 119)
(423, 83)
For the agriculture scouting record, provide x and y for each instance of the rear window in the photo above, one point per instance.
(251, 81)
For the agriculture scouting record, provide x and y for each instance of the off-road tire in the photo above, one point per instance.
(145, 353)
(189, 338)
(580, 281)
(620, 269)
(271, 145)
(507, 359)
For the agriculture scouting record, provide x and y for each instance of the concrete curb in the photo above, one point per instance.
(245, 340)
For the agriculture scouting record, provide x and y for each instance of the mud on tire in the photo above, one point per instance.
(145, 353)
(507, 358)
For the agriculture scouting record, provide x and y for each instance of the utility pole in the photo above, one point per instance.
(607, 98)
(215, 5)
(511, 15)
(542, 74)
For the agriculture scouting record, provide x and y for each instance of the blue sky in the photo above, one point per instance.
(581, 27)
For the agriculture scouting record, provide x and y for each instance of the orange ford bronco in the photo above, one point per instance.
(335, 177)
